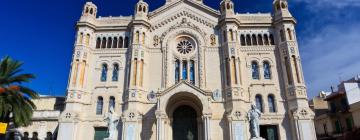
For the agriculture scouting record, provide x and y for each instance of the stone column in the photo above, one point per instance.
(160, 118)
(207, 131)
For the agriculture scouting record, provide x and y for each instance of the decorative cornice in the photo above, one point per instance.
(257, 48)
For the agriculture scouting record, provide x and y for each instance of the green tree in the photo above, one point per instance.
(15, 99)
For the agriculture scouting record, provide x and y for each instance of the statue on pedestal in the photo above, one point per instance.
(112, 122)
(254, 117)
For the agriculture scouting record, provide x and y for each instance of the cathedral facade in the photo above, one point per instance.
(186, 71)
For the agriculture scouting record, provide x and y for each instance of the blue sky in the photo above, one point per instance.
(41, 33)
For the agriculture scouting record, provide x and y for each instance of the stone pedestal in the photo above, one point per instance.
(259, 138)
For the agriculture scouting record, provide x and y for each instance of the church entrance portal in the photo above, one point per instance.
(269, 132)
(185, 123)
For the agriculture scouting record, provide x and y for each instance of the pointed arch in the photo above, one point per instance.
(266, 39)
(259, 102)
(121, 42)
(104, 69)
(115, 43)
(271, 102)
(260, 40)
(109, 43)
(103, 43)
(255, 70)
(242, 40)
(254, 40)
(112, 103)
(267, 70)
(99, 105)
(98, 43)
(248, 40)
(115, 74)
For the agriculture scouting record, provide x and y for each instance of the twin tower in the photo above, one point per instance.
(186, 71)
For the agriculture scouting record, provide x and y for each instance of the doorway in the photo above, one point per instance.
(269, 132)
(185, 123)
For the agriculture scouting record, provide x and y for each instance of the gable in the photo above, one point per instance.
(184, 8)
(183, 86)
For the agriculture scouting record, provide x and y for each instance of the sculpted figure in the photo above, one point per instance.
(112, 120)
(213, 39)
(254, 117)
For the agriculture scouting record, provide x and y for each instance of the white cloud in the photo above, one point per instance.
(332, 53)
(330, 3)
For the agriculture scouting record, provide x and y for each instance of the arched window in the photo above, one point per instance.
(26, 135)
(231, 35)
(192, 72)
(80, 38)
(87, 40)
(282, 35)
(254, 40)
(248, 40)
(259, 102)
(290, 34)
(49, 136)
(255, 70)
(144, 9)
(109, 44)
(177, 71)
(35, 136)
(271, 102)
(115, 43)
(121, 42)
(272, 42)
(296, 68)
(266, 39)
(267, 70)
(87, 10)
(260, 40)
(140, 8)
(112, 103)
(115, 74)
(98, 43)
(137, 37)
(104, 70)
(99, 106)
(228, 71)
(184, 70)
(141, 74)
(126, 42)
(103, 43)
(143, 38)
(91, 11)
(242, 40)
(288, 70)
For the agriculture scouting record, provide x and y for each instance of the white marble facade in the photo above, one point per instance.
(184, 53)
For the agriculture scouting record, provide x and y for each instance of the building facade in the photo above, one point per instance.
(45, 121)
(186, 70)
(339, 119)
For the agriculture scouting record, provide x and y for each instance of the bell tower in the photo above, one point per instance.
(141, 10)
(227, 8)
(235, 100)
(89, 12)
(78, 90)
(293, 78)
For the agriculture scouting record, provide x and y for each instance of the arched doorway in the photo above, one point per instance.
(185, 123)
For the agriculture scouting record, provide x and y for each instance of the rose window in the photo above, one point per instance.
(184, 47)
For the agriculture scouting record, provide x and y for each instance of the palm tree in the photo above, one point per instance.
(15, 100)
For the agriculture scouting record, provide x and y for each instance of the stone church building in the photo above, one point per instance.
(186, 71)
